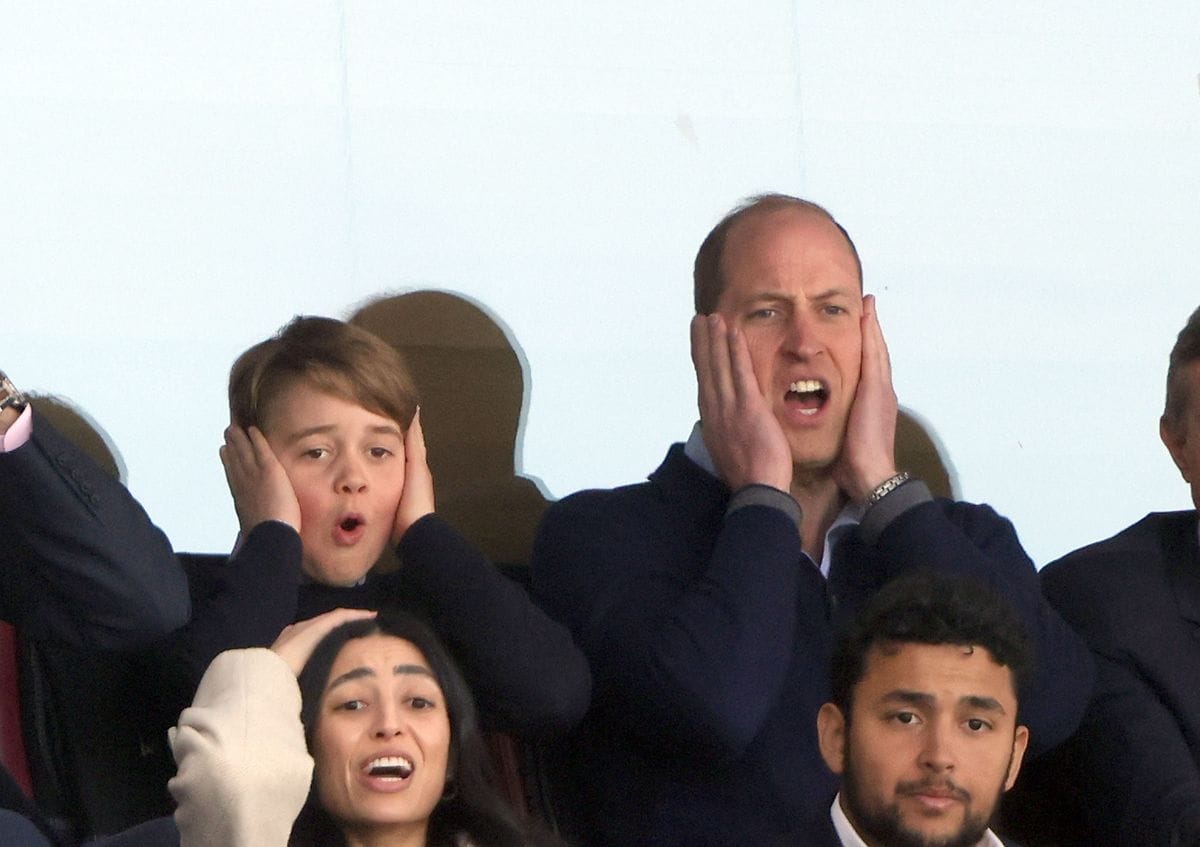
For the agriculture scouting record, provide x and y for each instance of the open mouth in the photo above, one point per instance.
(390, 767)
(807, 396)
(351, 523)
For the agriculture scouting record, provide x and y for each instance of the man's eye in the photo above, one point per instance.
(905, 718)
(978, 724)
(763, 314)
(832, 309)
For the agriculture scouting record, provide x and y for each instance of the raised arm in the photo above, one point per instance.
(82, 562)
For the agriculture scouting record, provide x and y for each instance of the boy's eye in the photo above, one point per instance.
(380, 452)
(315, 453)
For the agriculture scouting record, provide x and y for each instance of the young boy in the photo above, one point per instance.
(326, 462)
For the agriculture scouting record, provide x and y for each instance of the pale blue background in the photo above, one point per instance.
(1022, 180)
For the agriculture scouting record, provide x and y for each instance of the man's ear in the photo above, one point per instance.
(1020, 742)
(1176, 442)
(831, 735)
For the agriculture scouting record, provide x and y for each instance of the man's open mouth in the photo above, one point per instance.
(807, 394)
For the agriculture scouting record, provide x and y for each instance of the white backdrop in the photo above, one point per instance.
(1022, 180)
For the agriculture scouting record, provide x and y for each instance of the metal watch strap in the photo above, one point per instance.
(9, 395)
(887, 487)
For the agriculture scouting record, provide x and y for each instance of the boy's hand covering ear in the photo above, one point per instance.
(416, 501)
(259, 485)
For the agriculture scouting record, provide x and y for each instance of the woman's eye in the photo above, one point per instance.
(351, 706)
(421, 703)
(315, 453)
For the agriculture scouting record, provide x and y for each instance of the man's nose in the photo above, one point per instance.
(802, 335)
(938, 753)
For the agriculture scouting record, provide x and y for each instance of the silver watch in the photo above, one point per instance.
(10, 397)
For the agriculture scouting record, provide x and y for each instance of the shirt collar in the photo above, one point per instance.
(850, 838)
(848, 518)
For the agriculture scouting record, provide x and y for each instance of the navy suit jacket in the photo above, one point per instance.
(1135, 598)
(710, 637)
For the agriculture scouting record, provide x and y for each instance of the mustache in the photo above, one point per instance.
(941, 787)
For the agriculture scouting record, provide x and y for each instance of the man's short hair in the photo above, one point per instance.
(928, 607)
(338, 358)
(707, 274)
(1185, 351)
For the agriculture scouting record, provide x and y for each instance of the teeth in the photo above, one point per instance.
(805, 386)
(390, 766)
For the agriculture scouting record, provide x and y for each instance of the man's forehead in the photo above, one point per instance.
(786, 232)
(970, 668)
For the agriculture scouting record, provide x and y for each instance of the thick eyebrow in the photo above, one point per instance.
(359, 673)
(976, 702)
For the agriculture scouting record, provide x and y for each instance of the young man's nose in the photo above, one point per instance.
(937, 752)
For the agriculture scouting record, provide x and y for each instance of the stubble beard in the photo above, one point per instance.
(883, 826)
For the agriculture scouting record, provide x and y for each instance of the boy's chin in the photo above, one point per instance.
(337, 573)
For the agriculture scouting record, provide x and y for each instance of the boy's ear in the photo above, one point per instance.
(1176, 442)
(831, 735)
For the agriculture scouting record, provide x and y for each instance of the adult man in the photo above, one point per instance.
(1135, 598)
(706, 600)
(922, 724)
(113, 584)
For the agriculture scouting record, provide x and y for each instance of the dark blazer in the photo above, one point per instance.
(709, 638)
(1135, 599)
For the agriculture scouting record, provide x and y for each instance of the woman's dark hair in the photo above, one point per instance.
(471, 804)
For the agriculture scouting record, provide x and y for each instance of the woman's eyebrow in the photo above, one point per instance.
(418, 669)
(356, 673)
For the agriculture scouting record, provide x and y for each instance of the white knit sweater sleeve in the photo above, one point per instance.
(243, 768)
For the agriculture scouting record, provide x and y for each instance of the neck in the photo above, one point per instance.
(820, 502)
(399, 835)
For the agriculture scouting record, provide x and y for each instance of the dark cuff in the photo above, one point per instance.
(895, 503)
(756, 494)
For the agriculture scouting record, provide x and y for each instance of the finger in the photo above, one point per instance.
(263, 455)
(745, 384)
(414, 440)
(701, 356)
(719, 361)
(875, 352)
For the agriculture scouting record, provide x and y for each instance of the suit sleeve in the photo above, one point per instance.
(975, 541)
(524, 667)
(688, 646)
(83, 563)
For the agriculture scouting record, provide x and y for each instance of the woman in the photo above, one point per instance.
(380, 722)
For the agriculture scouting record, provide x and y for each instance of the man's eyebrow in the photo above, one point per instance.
(981, 702)
(912, 698)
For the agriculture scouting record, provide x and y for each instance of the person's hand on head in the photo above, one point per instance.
(260, 486)
(298, 640)
(868, 455)
(416, 500)
(741, 432)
